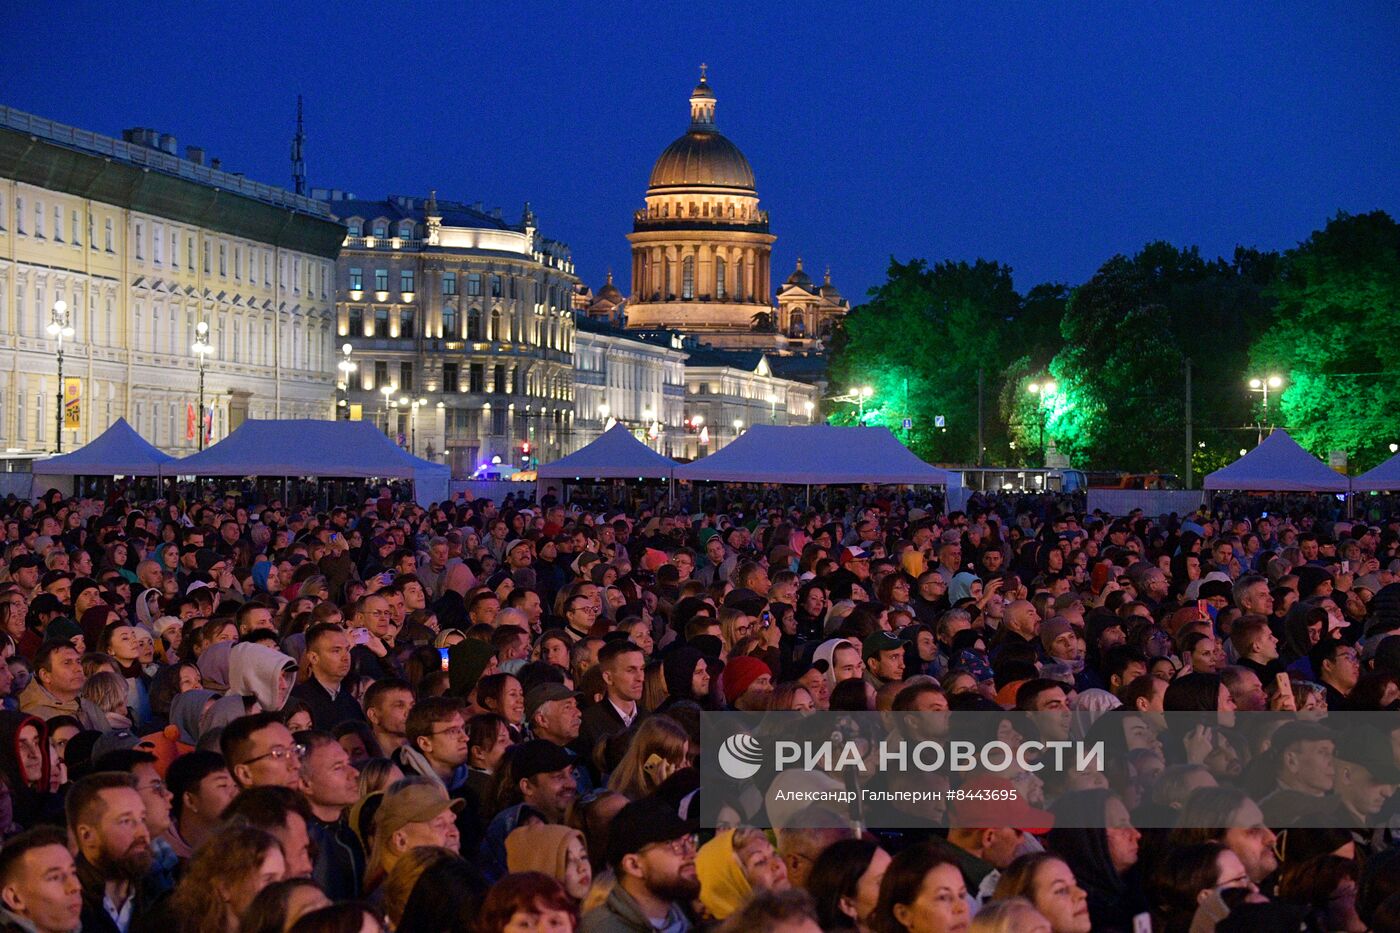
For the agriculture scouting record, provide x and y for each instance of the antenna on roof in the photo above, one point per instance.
(298, 159)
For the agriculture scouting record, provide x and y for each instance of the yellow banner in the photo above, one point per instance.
(72, 403)
(357, 411)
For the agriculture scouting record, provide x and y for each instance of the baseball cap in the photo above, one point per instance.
(642, 823)
(852, 553)
(539, 756)
(993, 801)
(876, 642)
(414, 803)
(516, 543)
(540, 694)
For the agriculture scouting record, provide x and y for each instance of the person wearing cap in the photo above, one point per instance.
(519, 555)
(747, 683)
(1303, 756)
(882, 653)
(1365, 778)
(543, 775)
(985, 833)
(552, 714)
(413, 813)
(651, 850)
(25, 573)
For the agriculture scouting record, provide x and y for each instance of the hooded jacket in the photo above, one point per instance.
(37, 701)
(256, 670)
(186, 709)
(213, 666)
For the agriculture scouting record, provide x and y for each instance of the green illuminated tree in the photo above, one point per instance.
(1337, 296)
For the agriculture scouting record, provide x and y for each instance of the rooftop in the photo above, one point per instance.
(155, 160)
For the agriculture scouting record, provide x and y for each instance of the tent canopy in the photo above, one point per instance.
(814, 454)
(616, 454)
(1278, 465)
(117, 451)
(351, 449)
(1382, 478)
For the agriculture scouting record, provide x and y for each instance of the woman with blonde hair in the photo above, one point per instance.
(654, 691)
(734, 626)
(735, 864)
(110, 692)
(1013, 915)
(659, 749)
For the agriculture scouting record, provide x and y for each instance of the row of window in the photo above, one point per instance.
(550, 333)
(407, 282)
(380, 228)
(172, 249)
(520, 382)
(27, 224)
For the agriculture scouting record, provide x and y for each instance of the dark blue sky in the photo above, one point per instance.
(1046, 136)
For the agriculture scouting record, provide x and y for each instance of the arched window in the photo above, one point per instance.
(495, 325)
(406, 230)
(688, 278)
(721, 287)
(354, 228)
(381, 228)
(474, 324)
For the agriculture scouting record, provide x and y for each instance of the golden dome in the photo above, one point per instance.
(703, 157)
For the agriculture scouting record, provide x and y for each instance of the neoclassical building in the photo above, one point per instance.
(701, 246)
(142, 245)
(466, 319)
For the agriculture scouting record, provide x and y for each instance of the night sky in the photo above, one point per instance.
(1045, 136)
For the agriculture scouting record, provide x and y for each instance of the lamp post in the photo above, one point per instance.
(772, 408)
(1262, 385)
(201, 349)
(413, 424)
(809, 405)
(59, 328)
(738, 426)
(861, 394)
(346, 368)
(387, 391)
(1042, 391)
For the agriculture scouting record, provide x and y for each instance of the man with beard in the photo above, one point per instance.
(107, 817)
(652, 852)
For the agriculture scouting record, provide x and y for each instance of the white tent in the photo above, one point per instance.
(327, 449)
(117, 451)
(617, 454)
(1278, 465)
(1382, 478)
(814, 454)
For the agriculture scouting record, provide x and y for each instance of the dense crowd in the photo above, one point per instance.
(485, 717)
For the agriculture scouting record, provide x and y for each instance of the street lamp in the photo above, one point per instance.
(772, 408)
(1262, 385)
(809, 405)
(1042, 391)
(201, 350)
(346, 368)
(413, 422)
(861, 394)
(387, 391)
(738, 426)
(603, 409)
(59, 328)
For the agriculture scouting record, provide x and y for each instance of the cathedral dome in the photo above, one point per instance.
(800, 277)
(703, 157)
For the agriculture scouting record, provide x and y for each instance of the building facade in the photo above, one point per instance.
(729, 391)
(622, 378)
(461, 329)
(702, 250)
(142, 246)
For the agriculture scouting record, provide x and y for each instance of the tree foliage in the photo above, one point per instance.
(1336, 299)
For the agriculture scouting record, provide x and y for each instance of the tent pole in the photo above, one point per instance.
(808, 497)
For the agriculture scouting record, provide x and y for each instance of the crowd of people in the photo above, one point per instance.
(221, 716)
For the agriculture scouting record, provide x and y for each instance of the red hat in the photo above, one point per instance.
(739, 674)
(653, 560)
(996, 802)
(851, 553)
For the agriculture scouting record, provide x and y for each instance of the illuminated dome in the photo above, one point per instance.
(703, 157)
